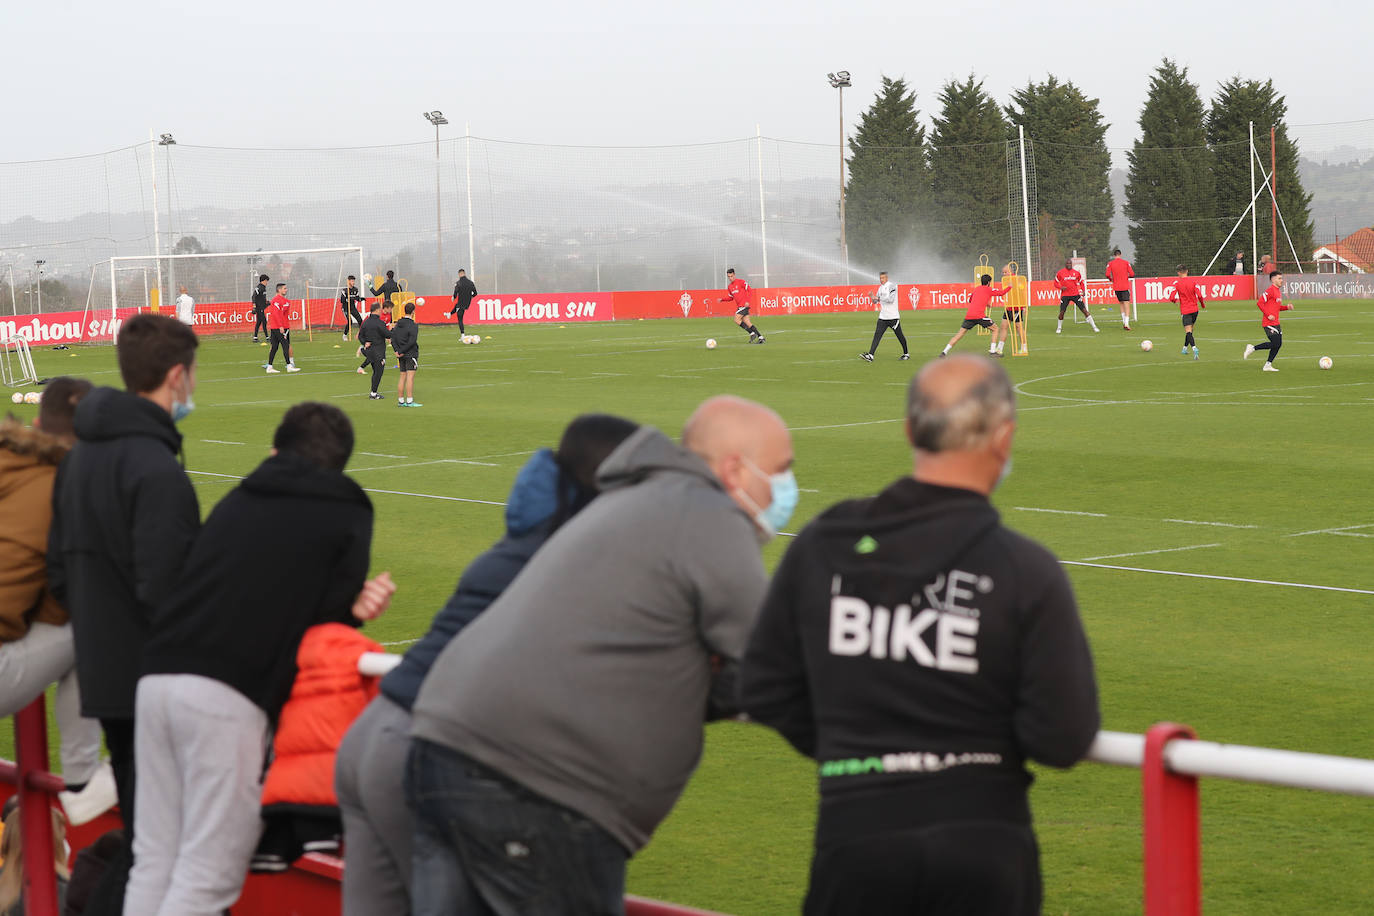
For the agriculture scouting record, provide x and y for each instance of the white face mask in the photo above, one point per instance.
(1004, 473)
(181, 408)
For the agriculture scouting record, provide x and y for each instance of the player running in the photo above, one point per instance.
(1270, 304)
(741, 293)
(888, 317)
(1120, 272)
(976, 316)
(1189, 298)
(349, 297)
(1069, 282)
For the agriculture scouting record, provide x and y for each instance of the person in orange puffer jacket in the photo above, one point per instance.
(299, 807)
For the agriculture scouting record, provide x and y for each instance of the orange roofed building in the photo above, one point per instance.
(1353, 254)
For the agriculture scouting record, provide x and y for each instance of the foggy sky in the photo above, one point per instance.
(96, 76)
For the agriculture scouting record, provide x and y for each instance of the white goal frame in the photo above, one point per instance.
(158, 258)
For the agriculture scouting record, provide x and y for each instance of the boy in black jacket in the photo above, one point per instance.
(405, 340)
(218, 669)
(373, 335)
(921, 653)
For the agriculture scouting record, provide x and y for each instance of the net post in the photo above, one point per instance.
(35, 809)
(1172, 839)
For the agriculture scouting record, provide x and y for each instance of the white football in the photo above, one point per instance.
(420, 300)
(1147, 345)
(466, 339)
(710, 343)
(17, 398)
(476, 338)
(32, 397)
(1324, 362)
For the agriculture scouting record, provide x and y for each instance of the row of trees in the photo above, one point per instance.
(945, 190)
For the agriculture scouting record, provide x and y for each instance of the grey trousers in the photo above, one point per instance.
(369, 779)
(46, 655)
(198, 754)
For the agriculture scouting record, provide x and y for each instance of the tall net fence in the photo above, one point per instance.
(524, 217)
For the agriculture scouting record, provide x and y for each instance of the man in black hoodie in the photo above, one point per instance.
(405, 340)
(373, 336)
(386, 291)
(220, 665)
(124, 516)
(921, 653)
(463, 292)
(260, 307)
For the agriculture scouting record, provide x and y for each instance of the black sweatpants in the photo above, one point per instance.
(1273, 344)
(351, 310)
(378, 367)
(883, 324)
(460, 311)
(961, 868)
(280, 339)
(260, 322)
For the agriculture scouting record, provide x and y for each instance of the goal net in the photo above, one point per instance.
(220, 285)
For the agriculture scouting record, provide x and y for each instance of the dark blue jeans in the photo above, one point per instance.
(485, 845)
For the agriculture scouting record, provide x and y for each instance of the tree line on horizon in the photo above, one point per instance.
(945, 190)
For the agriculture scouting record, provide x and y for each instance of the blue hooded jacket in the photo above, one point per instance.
(530, 511)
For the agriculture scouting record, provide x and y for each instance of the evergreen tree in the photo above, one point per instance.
(1171, 191)
(887, 197)
(968, 170)
(1237, 103)
(1074, 196)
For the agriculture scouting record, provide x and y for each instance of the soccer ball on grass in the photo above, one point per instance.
(1147, 345)
(17, 398)
(1324, 362)
(710, 343)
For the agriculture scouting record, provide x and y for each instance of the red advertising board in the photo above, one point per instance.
(65, 327)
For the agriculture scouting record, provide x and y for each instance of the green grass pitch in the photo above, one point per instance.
(1139, 466)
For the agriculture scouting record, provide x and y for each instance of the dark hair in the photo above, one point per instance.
(351, 277)
(410, 308)
(729, 270)
(149, 346)
(985, 279)
(376, 304)
(461, 270)
(1182, 268)
(1116, 251)
(60, 398)
(319, 433)
(1272, 275)
(280, 285)
(263, 278)
(586, 442)
(391, 274)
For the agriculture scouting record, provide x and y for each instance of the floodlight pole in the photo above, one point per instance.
(436, 118)
(1025, 202)
(157, 242)
(763, 218)
(1254, 219)
(1274, 210)
(39, 265)
(467, 132)
(839, 80)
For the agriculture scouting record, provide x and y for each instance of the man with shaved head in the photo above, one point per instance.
(557, 730)
(921, 653)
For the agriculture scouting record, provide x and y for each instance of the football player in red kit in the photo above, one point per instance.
(1189, 298)
(1120, 272)
(977, 316)
(1069, 282)
(742, 294)
(1270, 304)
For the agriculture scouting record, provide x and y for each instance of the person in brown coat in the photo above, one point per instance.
(36, 646)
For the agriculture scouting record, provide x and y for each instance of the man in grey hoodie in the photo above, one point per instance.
(555, 733)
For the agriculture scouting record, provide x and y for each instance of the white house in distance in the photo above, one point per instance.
(1353, 254)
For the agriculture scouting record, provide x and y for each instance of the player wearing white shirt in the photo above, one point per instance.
(186, 308)
(888, 317)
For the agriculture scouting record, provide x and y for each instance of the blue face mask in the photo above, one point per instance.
(779, 512)
(182, 409)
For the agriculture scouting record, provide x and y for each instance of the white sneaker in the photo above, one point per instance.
(1249, 348)
(99, 796)
(1270, 367)
(271, 371)
(291, 368)
(1059, 330)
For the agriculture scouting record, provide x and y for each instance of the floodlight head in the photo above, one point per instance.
(839, 80)
(166, 140)
(436, 118)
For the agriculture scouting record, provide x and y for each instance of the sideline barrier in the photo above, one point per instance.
(630, 305)
(1170, 759)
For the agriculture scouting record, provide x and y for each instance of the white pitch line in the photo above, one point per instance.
(1061, 511)
(801, 429)
(222, 442)
(402, 642)
(1142, 553)
(1185, 521)
(1348, 531)
(383, 455)
(1188, 575)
